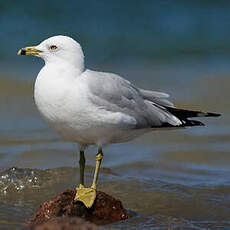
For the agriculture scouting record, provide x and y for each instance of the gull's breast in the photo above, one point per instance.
(61, 105)
(65, 106)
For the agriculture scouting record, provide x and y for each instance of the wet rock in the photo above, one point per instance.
(65, 223)
(105, 210)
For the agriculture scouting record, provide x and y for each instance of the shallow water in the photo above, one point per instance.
(176, 179)
(167, 179)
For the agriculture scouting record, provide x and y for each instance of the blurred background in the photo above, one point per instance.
(170, 178)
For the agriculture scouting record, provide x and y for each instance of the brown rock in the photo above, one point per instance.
(105, 210)
(65, 223)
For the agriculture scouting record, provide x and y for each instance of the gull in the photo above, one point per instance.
(97, 108)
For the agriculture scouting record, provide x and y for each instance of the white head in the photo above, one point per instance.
(57, 49)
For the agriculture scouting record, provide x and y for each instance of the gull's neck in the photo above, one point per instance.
(59, 66)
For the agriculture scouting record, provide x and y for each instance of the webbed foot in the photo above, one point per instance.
(86, 195)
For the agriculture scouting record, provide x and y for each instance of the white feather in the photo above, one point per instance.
(92, 107)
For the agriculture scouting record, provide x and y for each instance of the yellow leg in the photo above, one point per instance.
(99, 158)
(88, 195)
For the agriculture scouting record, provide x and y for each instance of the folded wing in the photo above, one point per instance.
(113, 94)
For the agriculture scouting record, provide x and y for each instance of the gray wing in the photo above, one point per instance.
(156, 97)
(117, 95)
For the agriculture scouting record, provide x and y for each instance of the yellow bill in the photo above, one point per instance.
(30, 50)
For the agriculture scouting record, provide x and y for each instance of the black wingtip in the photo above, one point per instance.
(188, 122)
(184, 114)
(212, 115)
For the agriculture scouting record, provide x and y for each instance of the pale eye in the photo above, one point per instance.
(53, 47)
